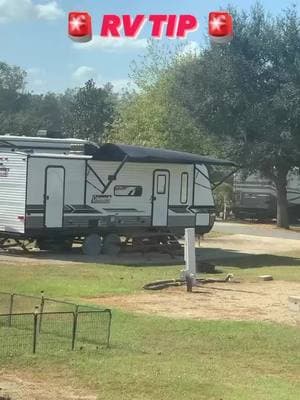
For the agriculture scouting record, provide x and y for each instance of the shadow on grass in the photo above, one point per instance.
(230, 258)
(133, 259)
(217, 256)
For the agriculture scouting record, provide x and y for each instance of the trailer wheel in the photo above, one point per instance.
(92, 245)
(111, 245)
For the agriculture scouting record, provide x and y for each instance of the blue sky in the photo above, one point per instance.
(33, 35)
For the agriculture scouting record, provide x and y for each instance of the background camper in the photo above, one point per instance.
(256, 197)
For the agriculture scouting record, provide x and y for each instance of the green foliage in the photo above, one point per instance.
(86, 112)
(152, 116)
(12, 84)
(90, 112)
(12, 98)
(249, 91)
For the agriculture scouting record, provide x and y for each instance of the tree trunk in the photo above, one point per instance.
(282, 203)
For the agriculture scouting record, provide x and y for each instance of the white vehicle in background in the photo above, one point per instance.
(256, 197)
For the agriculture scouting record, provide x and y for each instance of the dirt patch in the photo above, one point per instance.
(251, 244)
(259, 301)
(23, 386)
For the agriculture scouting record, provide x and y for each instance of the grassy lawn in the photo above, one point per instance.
(74, 281)
(162, 358)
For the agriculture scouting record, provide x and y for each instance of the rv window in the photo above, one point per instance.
(161, 184)
(184, 187)
(124, 190)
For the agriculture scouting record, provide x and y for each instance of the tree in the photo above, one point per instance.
(152, 116)
(152, 119)
(249, 91)
(86, 112)
(89, 112)
(12, 98)
(12, 85)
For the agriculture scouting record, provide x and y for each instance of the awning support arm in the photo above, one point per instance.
(94, 186)
(96, 175)
(214, 186)
(113, 177)
(203, 174)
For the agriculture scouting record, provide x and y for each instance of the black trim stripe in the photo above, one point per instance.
(68, 209)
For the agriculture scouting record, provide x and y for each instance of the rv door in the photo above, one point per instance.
(54, 196)
(160, 197)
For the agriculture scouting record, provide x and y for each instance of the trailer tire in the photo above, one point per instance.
(92, 245)
(111, 244)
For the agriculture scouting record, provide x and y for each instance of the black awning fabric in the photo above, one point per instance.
(118, 152)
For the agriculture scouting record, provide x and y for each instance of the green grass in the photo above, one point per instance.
(162, 358)
(76, 281)
(73, 281)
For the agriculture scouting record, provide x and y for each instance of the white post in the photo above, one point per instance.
(190, 255)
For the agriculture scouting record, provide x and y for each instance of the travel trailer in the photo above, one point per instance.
(102, 193)
(256, 197)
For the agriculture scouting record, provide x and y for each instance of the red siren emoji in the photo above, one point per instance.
(220, 27)
(80, 26)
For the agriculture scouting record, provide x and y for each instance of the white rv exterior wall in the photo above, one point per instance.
(74, 179)
(12, 192)
(137, 174)
(203, 193)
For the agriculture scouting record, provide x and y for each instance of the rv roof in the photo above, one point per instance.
(64, 156)
(118, 152)
(12, 138)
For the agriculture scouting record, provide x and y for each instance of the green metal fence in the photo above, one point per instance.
(50, 324)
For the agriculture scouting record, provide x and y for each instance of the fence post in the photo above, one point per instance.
(190, 259)
(75, 317)
(41, 310)
(109, 328)
(11, 305)
(35, 325)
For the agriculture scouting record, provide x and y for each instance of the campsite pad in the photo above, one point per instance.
(257, 301)
(221, 248)
(250, 244)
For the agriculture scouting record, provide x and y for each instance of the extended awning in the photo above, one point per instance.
(120, 152)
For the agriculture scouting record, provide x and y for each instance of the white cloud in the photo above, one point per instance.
(35, 78)
(49, 11)
(33, 71)
(38, 83)
(192, 48)
(83, 74)
(112, 44)
(19, 10)
(120, 84)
